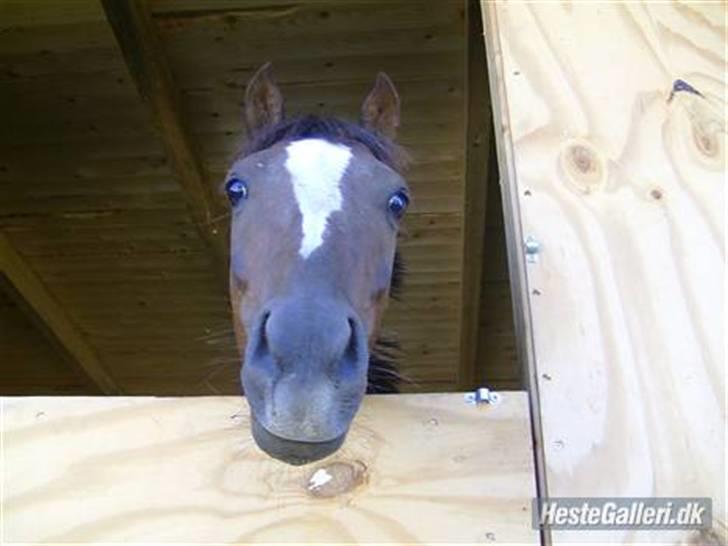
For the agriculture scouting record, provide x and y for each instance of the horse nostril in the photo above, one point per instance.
(352, 346)
(264, 324)
(262, 334)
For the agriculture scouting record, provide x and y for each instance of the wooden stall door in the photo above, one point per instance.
(425, 468)
(610, 120)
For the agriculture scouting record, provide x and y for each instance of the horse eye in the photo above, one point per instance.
(398, 203)
(236, 190)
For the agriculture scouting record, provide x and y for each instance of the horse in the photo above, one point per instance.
(316, 205)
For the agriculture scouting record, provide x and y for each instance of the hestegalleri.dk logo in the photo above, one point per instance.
(582, 513)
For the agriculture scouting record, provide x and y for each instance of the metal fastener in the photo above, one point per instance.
(532, 247)
(482, 395)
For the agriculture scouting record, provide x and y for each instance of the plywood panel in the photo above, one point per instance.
(614, 153)
(160, 470)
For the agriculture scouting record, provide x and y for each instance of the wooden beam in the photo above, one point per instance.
(514, 243)
(478, 142)
(614, 163)
(143, 52)
(28, 291)
(414, 469)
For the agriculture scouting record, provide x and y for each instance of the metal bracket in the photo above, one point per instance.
(483, 395)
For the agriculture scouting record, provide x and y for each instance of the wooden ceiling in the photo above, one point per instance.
(124, 234)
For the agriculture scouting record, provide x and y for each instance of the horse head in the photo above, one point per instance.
(316, 205)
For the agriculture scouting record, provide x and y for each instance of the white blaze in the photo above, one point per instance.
(316, 168)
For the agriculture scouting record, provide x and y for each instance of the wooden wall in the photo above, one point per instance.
(33, 365)
(92, 200)
(89, 202)
(612, 136)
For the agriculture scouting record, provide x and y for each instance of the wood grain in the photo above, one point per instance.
(622, 181)
(142, 50)
(154, 469)
(84, 186)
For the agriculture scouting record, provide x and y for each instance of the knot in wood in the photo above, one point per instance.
(706, 140)
(336, 478)
(583, 166)
(701, 125)
(582, 158)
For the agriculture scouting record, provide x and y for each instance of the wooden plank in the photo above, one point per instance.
(477, 156)
(613, 158)
(158, 470)
(24, 286)
(40, 12)
(144, 55)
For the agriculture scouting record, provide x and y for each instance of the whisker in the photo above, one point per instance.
(211, 387)
(216, 219)
(220, 341)
(390, 371)
(222, 332)
(219, 363)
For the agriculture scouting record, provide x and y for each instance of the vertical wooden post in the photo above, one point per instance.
(478, 125)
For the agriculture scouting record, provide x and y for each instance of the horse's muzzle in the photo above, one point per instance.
(291, 451)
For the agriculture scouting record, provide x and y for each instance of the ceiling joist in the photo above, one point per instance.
(143, 53)
(29, 293)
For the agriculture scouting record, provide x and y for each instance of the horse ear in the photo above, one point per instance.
(263, 101)
(380, 111)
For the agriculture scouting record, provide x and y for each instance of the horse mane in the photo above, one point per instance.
(333, 129)
(383, 376)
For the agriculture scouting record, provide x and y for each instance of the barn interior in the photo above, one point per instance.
(118, 126)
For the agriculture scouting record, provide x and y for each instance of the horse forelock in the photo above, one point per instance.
(334, 130)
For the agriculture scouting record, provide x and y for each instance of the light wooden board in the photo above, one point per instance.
(623, 184)
(185, 469)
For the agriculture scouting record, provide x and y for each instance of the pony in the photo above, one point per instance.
(316, 206)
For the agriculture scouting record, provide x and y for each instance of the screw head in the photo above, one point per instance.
(532, 248)
(532, 245)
